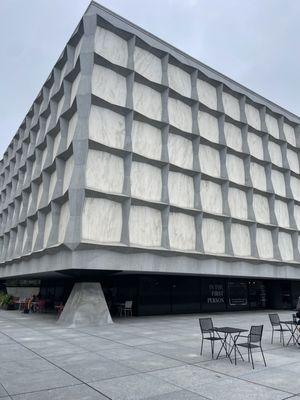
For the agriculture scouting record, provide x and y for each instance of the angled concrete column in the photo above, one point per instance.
(86, 306)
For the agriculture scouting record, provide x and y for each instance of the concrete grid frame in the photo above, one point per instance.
(134, 156)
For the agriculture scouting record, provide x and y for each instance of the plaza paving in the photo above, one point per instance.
(138, 358)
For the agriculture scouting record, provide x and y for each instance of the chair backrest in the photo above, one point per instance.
(274, 319)
(128, 304)
(255, 334)
(298, 304)
(206, 324)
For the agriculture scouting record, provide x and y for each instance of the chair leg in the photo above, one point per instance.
(212, 349)
(251, 358)
(262, 353)
(272, 336)
(248, 354)
(201, 346)
(282, 337)
(234, 355)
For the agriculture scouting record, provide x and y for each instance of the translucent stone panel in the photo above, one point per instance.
(179, 80)
(181, 189)
(182, 232)
(104, 172)
(297, 215)
(255, 145)
(180, 115)
(209, 160)
(253, 116)
(180, 151)
(107, 127)
(63, 221)
(146, 140)
(69, 167)
(289, 133)
(53, 180)
(207, 94)
(293, 160)
(102, 221)
(258, 176)
(235, 169)
(240, 239)
(145, 181)
(285, 245)
(231, 106)
(34, 234)
(264, 243)
(237, 201)
(109, 85)
(47, 229)
(295, 186)
(272, 125)
(71, 129)
(147, 64)
(261, 208)
(147, 101)
(275, 153)
(111, 46)
(213, 236)
(211, 196)
(208, 126)
(282, 213)
(233, 136)
(145, 227)
(74, 89)
(278, 182)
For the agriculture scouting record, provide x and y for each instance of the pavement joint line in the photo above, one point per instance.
(57, 366)
(246, 380)
(44, 390)
(7, 395)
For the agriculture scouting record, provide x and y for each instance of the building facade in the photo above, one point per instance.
(142, 168)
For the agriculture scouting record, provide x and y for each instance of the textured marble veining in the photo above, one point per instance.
(145, 226)
(107, 127)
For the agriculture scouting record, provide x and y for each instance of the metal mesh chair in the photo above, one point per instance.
(253, 342)
(207, 328)
(277, 327)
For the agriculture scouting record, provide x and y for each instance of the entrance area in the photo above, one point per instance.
(159, 294)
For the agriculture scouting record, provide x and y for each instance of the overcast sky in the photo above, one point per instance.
(255, 42)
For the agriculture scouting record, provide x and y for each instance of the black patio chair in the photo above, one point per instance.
(277, 327)
(253, 342)
(206, 328)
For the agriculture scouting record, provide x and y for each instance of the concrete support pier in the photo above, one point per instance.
(86, 306)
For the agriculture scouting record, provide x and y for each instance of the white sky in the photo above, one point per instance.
(254, 42)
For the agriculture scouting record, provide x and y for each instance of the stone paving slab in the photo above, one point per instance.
(153, 358)
(135, 387)
(34, 381)
(78, 392)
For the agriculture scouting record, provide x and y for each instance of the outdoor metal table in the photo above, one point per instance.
(292, 327)
(229, 339)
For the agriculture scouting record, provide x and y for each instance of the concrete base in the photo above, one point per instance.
(86, 306)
